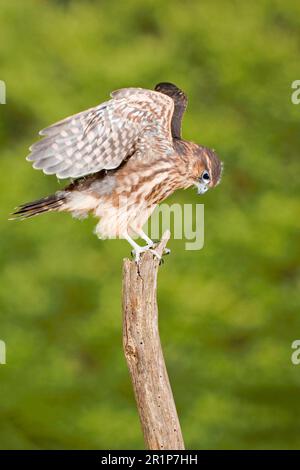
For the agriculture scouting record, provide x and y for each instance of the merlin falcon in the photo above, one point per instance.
(124, 157)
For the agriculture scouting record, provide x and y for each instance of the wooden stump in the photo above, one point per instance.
(144, 355)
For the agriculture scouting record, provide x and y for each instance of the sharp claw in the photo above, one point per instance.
(167, 251)
(150, 246)
(156, 254)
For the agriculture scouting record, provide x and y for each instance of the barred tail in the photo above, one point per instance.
(54, 202)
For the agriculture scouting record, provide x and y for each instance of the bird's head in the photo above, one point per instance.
(207, 169)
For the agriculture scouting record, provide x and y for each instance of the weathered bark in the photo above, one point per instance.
(144, 355)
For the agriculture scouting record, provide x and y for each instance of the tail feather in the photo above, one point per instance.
(45, 204)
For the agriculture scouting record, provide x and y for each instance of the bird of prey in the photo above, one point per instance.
(124, 157)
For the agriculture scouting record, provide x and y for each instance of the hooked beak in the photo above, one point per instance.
(202, 188)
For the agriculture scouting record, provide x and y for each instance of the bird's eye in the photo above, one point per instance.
(205, 176)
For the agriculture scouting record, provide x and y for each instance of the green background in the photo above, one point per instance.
(228, 313)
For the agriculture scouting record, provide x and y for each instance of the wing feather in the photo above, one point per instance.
(102, 137)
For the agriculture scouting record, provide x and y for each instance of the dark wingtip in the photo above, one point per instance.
(165, 86)
(173, 91)
(169, 89)
(180, 104)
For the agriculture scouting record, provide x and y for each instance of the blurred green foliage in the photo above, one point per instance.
(228, 313)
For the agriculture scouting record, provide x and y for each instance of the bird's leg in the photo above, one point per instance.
(138, 250)
(150, 242)
(145, 237)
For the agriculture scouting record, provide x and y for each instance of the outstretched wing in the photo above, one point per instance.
(102, 137)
